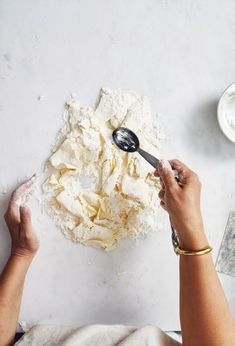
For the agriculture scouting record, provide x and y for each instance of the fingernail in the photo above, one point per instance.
(23, 207)
(165, 165)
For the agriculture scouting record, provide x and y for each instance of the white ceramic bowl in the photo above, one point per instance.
(225, 113)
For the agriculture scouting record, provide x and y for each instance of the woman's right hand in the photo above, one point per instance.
(182, 202)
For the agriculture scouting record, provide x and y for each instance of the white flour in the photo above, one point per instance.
(230, 112)
(97, 193)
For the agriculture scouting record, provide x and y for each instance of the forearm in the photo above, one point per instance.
(204, 312)
(11, 287)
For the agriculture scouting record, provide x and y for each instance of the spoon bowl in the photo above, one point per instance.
(126, 139)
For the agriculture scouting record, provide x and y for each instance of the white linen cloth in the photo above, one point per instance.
(96, 335)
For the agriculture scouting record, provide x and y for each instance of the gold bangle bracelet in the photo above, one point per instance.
(180, 251)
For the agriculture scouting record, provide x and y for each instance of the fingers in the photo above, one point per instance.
(163, 205)
(18, 197)
(25, 191)
(185, 173)
(166, 175)
(25, 220)
(177, 164)
(161, 195)
(12, 215)
(162, 185)
(156, 173)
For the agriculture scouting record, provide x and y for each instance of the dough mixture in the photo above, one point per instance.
(97, 193)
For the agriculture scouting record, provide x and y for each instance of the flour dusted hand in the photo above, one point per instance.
(182, 202)
(18, 219)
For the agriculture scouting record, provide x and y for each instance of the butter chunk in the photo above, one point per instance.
(70, 203)
(67, 155)
(111, 170)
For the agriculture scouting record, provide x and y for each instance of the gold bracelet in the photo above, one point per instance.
(180, 251)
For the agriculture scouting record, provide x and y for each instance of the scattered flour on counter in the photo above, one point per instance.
(97, 193)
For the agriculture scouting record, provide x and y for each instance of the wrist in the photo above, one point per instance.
(193, 245)
(24, 259)
(195, 239)
(17, 265)
(22, 253)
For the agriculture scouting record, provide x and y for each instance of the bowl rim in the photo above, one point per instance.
(219, 114)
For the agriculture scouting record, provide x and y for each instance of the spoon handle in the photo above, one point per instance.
(154, 161)
(148, 157)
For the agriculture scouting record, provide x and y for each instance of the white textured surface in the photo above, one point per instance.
(181, 55)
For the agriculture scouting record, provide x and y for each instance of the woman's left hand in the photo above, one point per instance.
(25, 242)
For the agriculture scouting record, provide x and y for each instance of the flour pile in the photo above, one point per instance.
(97, 193)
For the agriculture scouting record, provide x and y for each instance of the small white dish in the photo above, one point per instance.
(226, 112)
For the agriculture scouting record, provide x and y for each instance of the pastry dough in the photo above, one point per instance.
(98, 193)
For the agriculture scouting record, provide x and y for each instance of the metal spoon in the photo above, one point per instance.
(127, 140)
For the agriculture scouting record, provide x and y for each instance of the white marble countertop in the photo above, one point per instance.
(181, 55)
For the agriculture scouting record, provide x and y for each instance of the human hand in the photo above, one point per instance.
(182, 202)
(18, 219)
